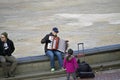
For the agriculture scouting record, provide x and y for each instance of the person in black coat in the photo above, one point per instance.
(6, 50)
(52, 53)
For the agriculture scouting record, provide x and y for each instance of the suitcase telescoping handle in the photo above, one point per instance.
(83, 51)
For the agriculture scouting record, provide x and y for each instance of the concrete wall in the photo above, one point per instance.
(41, 63)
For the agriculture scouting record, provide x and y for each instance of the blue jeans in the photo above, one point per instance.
(51, 54)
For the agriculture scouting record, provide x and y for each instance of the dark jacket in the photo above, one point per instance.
(46, 40)
(9, 51)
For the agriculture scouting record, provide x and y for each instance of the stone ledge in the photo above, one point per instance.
(32, 59)
(34, 75)
(41, 63)
(112, 64)
(92, 51)
(39, 76)
(99, 50)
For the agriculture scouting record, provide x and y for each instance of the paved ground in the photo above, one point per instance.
(94, 22)
(105, 75)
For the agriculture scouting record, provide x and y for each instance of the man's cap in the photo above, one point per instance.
(55, 29)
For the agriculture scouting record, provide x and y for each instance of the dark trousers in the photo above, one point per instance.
(12, 67)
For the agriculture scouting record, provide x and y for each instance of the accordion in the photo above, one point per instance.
(57, 44)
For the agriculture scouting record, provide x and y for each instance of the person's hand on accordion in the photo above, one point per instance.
(48, 41)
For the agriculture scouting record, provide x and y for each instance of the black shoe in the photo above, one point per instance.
(11, 74)
(6, 76)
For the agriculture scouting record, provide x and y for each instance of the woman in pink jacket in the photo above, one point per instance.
(70, 64)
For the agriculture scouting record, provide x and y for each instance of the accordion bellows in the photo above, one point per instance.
(56, 44)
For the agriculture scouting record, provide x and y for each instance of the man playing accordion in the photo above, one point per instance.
(53, 48)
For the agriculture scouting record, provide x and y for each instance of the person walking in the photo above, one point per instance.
(6, 50)
(70, 65)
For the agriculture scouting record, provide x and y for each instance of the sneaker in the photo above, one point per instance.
(53, 69)
(62, 69)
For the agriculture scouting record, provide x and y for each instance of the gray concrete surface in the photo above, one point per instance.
(94, 22)
(36, 67)
(104, 75)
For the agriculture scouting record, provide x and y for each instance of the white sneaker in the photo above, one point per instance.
(62, 69)
(53, 69)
